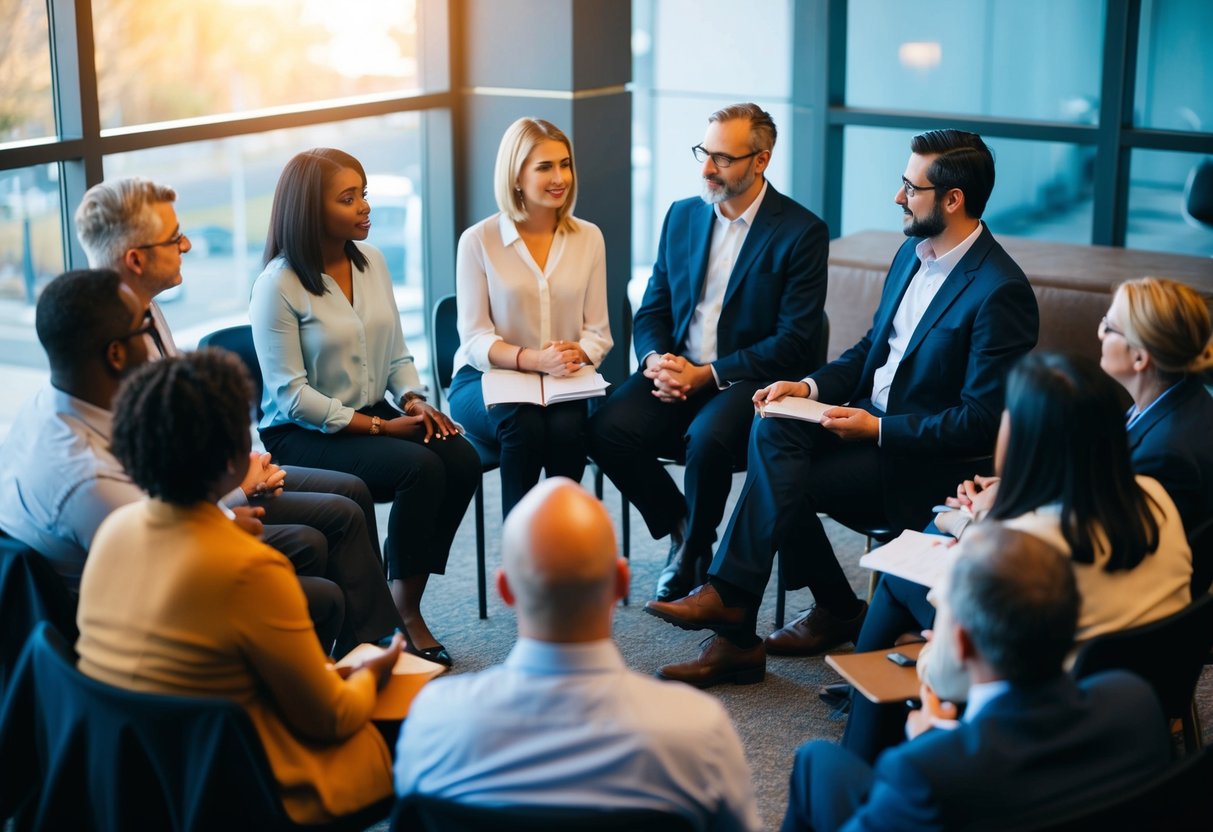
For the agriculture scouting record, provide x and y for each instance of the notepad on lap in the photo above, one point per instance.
(510, 387)
(408, 677)
(922, 558)
(794, 407)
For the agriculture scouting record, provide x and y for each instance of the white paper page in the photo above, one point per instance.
(583, 384)
(794, 407)
(508, 386)
(922, 558)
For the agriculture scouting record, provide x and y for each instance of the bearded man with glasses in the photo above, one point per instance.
(735, 300)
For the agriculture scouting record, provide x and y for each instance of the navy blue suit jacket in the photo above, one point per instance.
(774, 299)
(1172, 443)
(1030, 752)
(947, 395)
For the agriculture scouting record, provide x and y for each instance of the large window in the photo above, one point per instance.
(212, 98)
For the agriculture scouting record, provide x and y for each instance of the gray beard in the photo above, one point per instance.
(727, 192)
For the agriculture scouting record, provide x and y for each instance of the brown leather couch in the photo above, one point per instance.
(1073, 284)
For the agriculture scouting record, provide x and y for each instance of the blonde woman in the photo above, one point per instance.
(531, 287)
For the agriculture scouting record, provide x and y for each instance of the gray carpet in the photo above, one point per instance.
(773, 717)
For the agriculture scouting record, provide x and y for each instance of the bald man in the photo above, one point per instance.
(563, 722)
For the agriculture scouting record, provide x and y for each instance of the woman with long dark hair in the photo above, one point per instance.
(1067, 478)
(332, 350)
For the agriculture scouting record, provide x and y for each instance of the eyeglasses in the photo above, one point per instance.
(1108, 329)
(174, 240)
(720, 160)
(912, 189)
(147, 326)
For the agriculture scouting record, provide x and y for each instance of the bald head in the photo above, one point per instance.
(559, 563)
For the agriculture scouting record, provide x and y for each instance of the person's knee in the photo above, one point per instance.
(305, 547)
(523, 430)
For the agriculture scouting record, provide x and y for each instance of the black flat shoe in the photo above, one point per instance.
(437, 654)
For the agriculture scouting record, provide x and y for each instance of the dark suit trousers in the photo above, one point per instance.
(798, 469)
(633, 429)
(827, 786)
(530, 439)
(898, 606)
(337, 506)
(429, 485)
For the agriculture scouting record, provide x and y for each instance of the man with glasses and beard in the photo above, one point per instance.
(735, 300)
(924, 390)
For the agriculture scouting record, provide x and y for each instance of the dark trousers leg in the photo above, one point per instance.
(632, 429)
(429, 485)
(828, 785)
(326, 606)
(314, 497)
(716, 442)
(530, 439)
(898, 606)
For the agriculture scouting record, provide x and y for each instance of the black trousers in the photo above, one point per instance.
(796, 470)
(632, 429)
(337, 508)
(429, 485)
(531, 440)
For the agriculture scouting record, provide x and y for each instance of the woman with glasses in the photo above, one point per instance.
(331, 350)
(530, 283)
(1065, 476)
(177, 599)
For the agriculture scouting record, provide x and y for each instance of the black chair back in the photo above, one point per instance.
(30, 591)
(1178, 799)
(1169, 654)
(1198, 193)
(444, 341)
(239, 340)
(1200, 541)
(420, 813)
(80, 754)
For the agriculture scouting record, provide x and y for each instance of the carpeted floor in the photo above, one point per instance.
(773, 717)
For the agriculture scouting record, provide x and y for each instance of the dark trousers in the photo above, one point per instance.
(337, 506)
(796, 470)
(429, 485)
(632, 430)
(828, 785)
(898, 606)
(530, 439)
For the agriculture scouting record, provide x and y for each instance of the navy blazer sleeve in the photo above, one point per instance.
(947, 395)
(773, 304)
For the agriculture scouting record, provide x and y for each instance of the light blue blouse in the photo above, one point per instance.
(323, 359)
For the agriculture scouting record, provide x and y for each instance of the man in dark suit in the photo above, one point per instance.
(735, 300)
(925, 387)
(1032, 741)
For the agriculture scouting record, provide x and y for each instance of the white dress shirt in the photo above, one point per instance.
(59, 479)
(728, 236)
(923, 287)
(570, 725)
(321, 357)
(503, 295)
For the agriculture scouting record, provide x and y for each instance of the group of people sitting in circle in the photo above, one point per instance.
(205, 567)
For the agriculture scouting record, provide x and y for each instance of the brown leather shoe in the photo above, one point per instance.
(719, 661)
(703, 609)
(814, 632)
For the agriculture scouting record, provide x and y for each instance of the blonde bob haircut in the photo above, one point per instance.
(516, 145)
(1171, 322)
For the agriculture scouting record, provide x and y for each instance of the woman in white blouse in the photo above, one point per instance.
(330, 345)
(531, 288)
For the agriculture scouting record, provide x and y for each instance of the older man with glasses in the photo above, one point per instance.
(735, 300)
(925, 393)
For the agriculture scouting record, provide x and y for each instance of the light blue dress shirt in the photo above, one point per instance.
(570, 725)
(321, 357)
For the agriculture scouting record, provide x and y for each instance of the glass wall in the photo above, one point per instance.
(26, 102)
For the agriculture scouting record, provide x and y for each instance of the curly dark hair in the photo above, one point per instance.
(179, 422)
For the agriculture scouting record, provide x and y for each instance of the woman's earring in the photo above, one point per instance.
(518, 195)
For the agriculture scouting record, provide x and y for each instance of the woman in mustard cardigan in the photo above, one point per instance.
(176, 599)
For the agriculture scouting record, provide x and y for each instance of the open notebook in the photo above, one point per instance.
(408, 676)
(510, 387)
